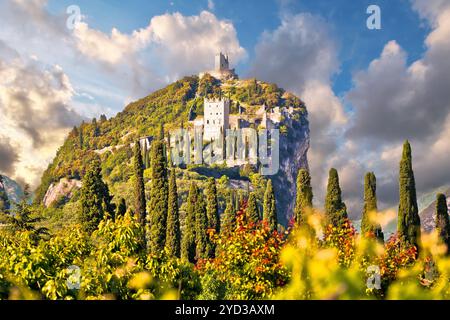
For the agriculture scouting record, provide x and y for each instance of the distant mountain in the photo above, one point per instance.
(13, 189)
(428, 207)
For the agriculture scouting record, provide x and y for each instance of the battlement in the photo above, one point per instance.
(222, 69)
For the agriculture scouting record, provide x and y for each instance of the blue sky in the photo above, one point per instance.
(357, 45)
(366, 90)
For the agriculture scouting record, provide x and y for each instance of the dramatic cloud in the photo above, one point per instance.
(8, 156)
(391, 101)
(186, 44)
(394, 101)
(301, 56)
(38, 102)
(35, 115)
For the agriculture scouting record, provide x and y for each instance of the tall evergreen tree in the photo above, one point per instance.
(304, 196)
(188, 246)
(237, 201)
(146, 158)
(229, 217)
(139, 186)
(121, 208)
(81, 138)
(95, 198)
(252, 212)
(368, 226)
(408, 226)
(212, 205)
(335, 208)
(269, 206)
(158, 204)
(173, 235)
(203, 248)
(442, 219)
(96, 132)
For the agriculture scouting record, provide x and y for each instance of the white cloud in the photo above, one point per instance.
(394, 101)
(35, 114)
(301, 56)
(106, 70)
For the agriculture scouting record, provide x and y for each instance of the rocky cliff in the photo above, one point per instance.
(109, 139)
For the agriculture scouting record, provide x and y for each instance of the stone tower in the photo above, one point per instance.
(221, 62)
(216, 115)
(222, 69)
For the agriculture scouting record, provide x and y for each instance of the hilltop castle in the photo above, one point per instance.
(222, 69)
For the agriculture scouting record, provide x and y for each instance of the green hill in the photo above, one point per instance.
(110, 139)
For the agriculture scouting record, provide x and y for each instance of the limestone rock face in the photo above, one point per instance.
(12, 188)
(63, 189)
(427, 215)
(294, 146)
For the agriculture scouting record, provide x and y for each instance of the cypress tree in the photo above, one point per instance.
(95, 198)
(188, 237)
(335, 208)
(442, 220)
(139, 186)
(80, 138)
(203, 248)
(237, 204)
(370, 208)
(121, 208)
(228, 217)
(212, 205)
(158, 204)
(408, 214)
(173, 219)
(252, 212)
(304, 196)
(146, 159)
(269, 207)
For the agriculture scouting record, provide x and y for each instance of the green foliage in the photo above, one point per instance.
(203, 248)
(139, 186)
(212, 206)
(121, 208)
(95, 198)
(188, 244)
(158, 204)
(173, 235)
(408, 226)
(23, 219)
(111, 264)
(335, 208)
(252, 212)
(228, 218)
(304, 196)
(246, 265)
(442, 220)
(369, 226)
(269, 210)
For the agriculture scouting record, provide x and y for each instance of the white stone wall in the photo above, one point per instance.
(216, 115)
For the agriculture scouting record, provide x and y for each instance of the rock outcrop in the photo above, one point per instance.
(61, 191)
(427, 215)
(294, 146)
